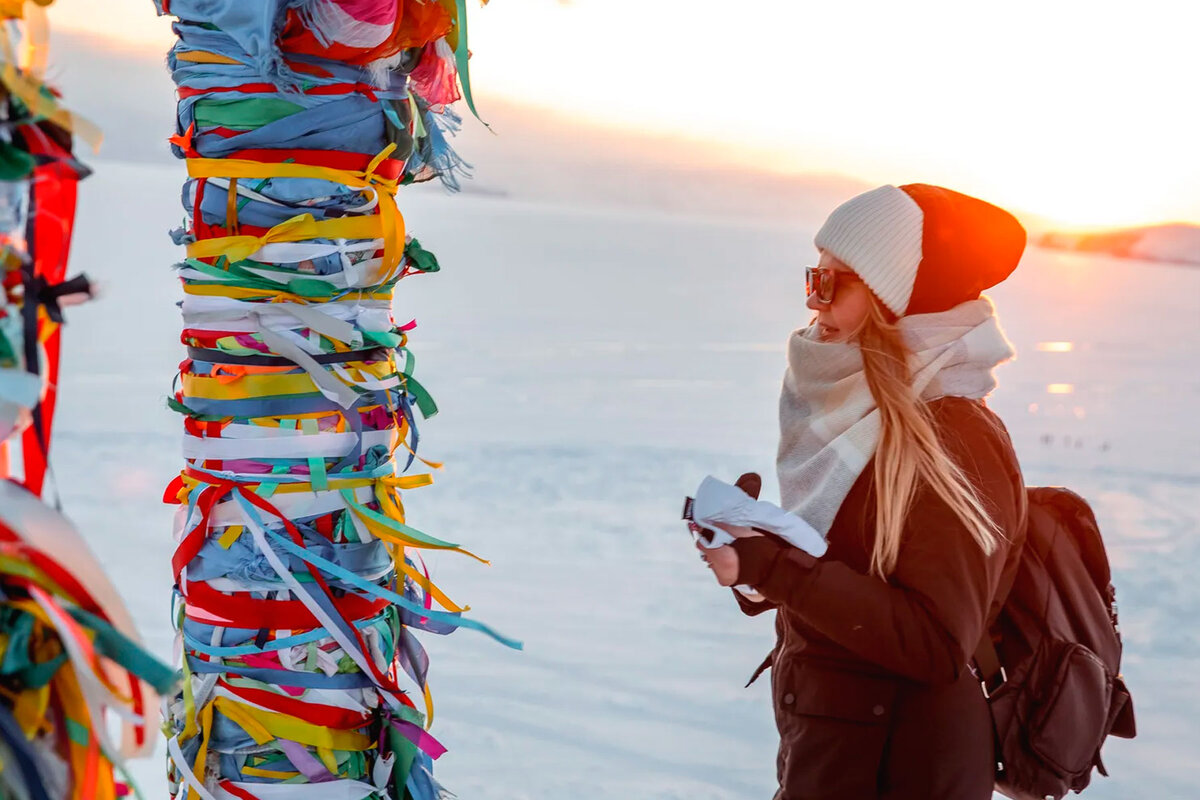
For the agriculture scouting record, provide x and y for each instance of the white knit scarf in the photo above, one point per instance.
(828, 420)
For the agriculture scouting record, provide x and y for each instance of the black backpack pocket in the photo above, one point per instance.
(1066, 705)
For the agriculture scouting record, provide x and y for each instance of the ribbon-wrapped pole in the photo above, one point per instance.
(299, 579)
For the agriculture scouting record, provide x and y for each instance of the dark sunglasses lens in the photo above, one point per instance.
(828, 282)
(700, 534)
(821, 282)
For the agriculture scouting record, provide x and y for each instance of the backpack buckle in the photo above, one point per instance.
(992, 685)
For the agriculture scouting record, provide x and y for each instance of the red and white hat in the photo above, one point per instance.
(923, 248)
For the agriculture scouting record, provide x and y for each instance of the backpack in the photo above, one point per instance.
(1050, 663)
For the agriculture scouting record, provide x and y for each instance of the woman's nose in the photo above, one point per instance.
(814, 303)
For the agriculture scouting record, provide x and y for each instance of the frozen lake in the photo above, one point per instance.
(592, 365)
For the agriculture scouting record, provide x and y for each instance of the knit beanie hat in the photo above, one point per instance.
(922, 248)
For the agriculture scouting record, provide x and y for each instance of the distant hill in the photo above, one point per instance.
(1174, 243)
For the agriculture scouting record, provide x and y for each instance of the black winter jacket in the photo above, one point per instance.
(874, 696)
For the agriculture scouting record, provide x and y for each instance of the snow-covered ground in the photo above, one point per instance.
(592, 365)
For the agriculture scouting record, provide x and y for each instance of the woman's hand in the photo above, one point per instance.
(723, 561)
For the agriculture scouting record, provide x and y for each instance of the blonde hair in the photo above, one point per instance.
(909, 456)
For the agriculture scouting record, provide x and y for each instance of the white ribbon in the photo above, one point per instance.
(367, 381)
(339, 321)
(329, 790)
(330, 387)
(354, 275)
(292, 505)
(321, 445)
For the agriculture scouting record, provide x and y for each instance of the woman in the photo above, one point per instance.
(887, 447)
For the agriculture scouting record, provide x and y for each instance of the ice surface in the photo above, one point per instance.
(592, 365)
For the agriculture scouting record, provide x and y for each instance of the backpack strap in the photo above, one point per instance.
(988, 668)
(991, 676)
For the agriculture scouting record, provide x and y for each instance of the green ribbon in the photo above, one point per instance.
(425, 402)
(419, 258)
(383, 338)
(308, 288)
(118, 647)
(180, 408)
(462, 55)
(406, 753)
(247, 114)
(78, 732)
(15, 163)
(18, 626)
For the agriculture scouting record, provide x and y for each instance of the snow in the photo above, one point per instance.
(592, 364)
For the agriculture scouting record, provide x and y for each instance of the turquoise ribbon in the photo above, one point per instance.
(113, 644)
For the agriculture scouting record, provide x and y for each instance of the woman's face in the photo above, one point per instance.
(840, 320)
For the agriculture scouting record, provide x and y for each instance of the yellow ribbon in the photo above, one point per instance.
(258, 772)
(406, 481)
(199, 768)
(428, 585)
(389, 216)
(266, 726)
(428, 706)
(296, 229)
(328, 759)
(29, 710)
(205, 57)
(245, 387)
(91, 766)
(244, 292)
(231, 535)
(13, 566)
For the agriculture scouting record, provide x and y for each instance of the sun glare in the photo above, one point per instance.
(125, 23)
(1066, 111)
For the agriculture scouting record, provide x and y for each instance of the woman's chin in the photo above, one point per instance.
(825, 333)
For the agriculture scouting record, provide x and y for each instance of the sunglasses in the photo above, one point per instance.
(823, 282)
(701, 535)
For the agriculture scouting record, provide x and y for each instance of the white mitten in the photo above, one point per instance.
(717, 501)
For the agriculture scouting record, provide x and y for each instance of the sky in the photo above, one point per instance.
(1079, 112)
